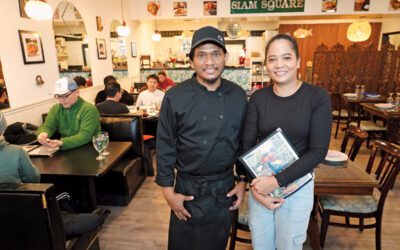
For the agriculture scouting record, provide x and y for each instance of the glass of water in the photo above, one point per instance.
(99, 143)
(107, 139)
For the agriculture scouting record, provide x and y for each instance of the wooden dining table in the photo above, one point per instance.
(75, 170)
(337, 180)
(391, 116)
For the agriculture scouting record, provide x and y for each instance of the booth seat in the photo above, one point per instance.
(30, 219)
(120, 183)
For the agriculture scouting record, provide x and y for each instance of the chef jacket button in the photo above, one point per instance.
(219, 94)
(204, 118)
(221, 117)
(221, 139)
(221, 163)
(205, 142)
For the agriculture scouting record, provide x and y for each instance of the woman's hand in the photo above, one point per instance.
(267, 201)
(265, 184)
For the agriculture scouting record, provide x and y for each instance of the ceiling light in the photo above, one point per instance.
(156, 36)
(123, 30)
(39, 10)
(359, 31)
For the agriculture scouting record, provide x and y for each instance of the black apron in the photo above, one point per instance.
(211, 219)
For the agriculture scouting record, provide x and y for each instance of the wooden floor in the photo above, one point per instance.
(143, 224)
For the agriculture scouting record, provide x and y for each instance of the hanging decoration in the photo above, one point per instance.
(359, 31)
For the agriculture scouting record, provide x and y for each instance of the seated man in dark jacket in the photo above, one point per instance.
(111, 105)
(126, 98)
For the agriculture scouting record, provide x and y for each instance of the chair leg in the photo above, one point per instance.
(324, 227)
(347, 219)
(234, 226)
(378, 233)
(337, 128)
(368, 141)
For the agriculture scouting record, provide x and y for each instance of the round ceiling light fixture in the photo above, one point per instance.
(359, 31)
(39, 10)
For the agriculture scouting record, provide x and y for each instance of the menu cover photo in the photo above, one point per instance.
(270, 157)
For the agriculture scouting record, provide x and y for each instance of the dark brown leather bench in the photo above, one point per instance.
(118, 186)
(30, 219)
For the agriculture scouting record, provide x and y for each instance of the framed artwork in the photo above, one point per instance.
(31, 46)
(210, 8)
(22, 12)
(361, 5)
(99, 24)
(133, 49)
(180, 8)
(329, 5)
(394, 5)
(101, 48)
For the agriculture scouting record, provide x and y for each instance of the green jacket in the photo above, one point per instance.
(76, 124)
(15, 165)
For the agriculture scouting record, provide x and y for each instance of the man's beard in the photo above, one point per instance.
(213, 80)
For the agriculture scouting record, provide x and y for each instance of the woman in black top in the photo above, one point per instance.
(303, 112)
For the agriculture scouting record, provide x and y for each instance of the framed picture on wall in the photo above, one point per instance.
(133, 49)
(31, 46)
(22, 12)
(101, 48)
(99, 24)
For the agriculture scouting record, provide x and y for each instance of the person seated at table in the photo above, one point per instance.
(89, 82)
(15, 165)
(3, 98)
(151, 95)
(73, 118)
(101, 96)
(111, 105)
(80, 81)
(165, 82)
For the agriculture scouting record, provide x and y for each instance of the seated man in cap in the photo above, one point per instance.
(16, 167)
(112, 105)
(73, 118)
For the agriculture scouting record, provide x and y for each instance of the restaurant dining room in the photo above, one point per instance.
(141, 124)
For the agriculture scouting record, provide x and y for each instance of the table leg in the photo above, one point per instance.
(392, 130)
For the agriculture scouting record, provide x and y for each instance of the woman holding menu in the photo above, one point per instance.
(303, 112)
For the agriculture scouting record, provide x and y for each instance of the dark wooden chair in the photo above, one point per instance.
(118, 186)
(339, 111)
(364, 206)
(30, 219)
(358, 136)
(240, 222)
(356, 118)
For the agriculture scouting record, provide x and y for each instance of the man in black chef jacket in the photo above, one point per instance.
(199, 133)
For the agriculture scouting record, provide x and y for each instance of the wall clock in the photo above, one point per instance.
(232, 30)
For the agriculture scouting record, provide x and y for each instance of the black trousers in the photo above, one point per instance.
(211, 219)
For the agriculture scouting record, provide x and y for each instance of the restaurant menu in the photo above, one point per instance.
(40, 150)
(271, 156)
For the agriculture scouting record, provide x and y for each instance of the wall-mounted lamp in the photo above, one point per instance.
(39, 10)
(39, 80)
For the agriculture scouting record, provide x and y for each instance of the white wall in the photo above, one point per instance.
(27, 99)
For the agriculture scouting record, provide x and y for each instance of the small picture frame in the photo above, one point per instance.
(101, 48)
(22, 12)
(99, 24)
(133, 49)
(210, 8)
(31, 46)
